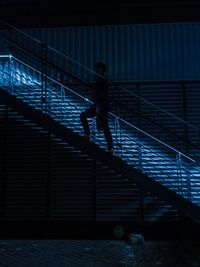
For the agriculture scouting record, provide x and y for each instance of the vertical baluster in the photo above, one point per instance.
(94, 130)
(50, 99)
(62, 104)
(64, 101)
(4, 72)
(179, 174)
(189, 189)
(118, 138)
(140, 155)
(185, 117)
(11, 73)
(1, 72)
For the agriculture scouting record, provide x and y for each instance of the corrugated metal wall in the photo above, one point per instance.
(132, 52)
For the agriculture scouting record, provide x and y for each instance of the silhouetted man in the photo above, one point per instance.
(100, 107)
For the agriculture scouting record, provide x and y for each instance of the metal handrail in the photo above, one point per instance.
(125, 90)
(174, 167)
(160, 109)
(117, 117)
(156, 139)
(29, 86)
(93, 72)
(20, 31)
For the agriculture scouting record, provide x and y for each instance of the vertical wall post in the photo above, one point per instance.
(185, 116)
(186, 136)
(139, 124)
(94, 190)
(45, 108)
(48, 214)
(4, 166)
(142, 208)
(44, 95)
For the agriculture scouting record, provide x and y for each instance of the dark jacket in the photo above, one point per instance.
(101, 93)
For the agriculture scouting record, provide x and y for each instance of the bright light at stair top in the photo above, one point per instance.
(21, 76)
(6, 56)
(24, 78)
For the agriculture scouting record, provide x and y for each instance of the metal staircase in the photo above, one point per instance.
(57, 89)
(137, 154)
(128, 102)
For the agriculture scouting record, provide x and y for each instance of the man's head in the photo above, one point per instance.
(100, 68)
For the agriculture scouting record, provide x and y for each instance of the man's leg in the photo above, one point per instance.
(108, 138)
(88, 113)
(103, 124)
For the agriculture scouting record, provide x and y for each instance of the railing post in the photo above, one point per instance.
(189, 189)
(118, 138)
(44, 95)
(181, 171)
(11, 73)
(138, 105)
(184, 103)
(140, 156)
(139, 125)
(94, 130)
(62, 104)
(179, 174)
(118, 146)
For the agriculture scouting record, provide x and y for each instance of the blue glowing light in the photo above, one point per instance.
(6, 56)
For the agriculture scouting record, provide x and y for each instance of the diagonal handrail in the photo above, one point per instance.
(123, 89)
(85, 68)
(188, 142)
(35, 48)
(111, 113)
(160, 109)
(20, 31)
(167, 176)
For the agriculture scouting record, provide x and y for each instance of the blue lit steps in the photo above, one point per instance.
(65, 107)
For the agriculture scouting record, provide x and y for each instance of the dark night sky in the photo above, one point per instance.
(35, 13)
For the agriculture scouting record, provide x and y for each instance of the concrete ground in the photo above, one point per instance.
(99, 253)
